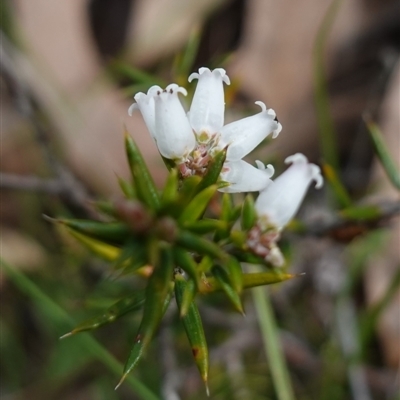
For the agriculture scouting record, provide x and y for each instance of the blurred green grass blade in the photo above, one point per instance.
(137, 75)
(131, 90)
(370, 317)
(59, 316)
(383, 154)
(273, 348)
(359, 252)
(361, 213)
(326, 130)
(188, 57)
(339, 191)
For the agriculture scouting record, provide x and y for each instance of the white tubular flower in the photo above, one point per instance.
(243, 177)
(192, 140)
(145, 104)
(173, 134)
(166, 121)
(279, 202)
(206, 113)
(245, 135)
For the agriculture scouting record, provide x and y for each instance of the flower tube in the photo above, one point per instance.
(206, 113)
(279, 202)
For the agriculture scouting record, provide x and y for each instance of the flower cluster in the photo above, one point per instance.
(191, 140)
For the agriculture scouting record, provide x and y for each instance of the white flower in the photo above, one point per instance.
(243, 177)
(279, 202)
(192, 140)
(206, 113)
(166, 121)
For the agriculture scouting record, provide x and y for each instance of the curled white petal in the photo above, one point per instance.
(145, 103)
(316, 176)
(206, 113)
(173, 134)
(313, 170)
(244, 135)
(269, 169)
(280, 201)
(173, 87)
(154, 90)
(243, 177)
(132, 108)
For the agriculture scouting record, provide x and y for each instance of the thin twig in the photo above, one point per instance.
(72, 192)
(31, 183)
(328, 225)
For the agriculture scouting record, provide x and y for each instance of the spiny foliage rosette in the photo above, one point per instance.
(172, 237)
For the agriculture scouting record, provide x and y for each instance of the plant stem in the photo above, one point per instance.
(272, 344)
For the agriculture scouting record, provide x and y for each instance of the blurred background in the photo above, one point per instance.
(69, 70)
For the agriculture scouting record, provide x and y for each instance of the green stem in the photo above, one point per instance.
(87, 342)
(272, 345)
(325, 121)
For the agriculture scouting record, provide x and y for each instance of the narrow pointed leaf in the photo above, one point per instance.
(112, 232)
(194, 329)
(170, 191)
(235, 274)
(266, 278)
(127, 188)
(101, 249)
(145, 187)
(249, 280)
(239, 238)
(205, 225)
(213, 171)
(249, 214)
(157, 293)
(185, 261)
(226, 214)
(205, 264)
(223, 280)
(117, 310)
(381, 150)
(198, 205)
(188, 189)
(226, 207)
(200, 245)
(189, 293)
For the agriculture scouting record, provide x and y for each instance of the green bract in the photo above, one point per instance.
(185, 247)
